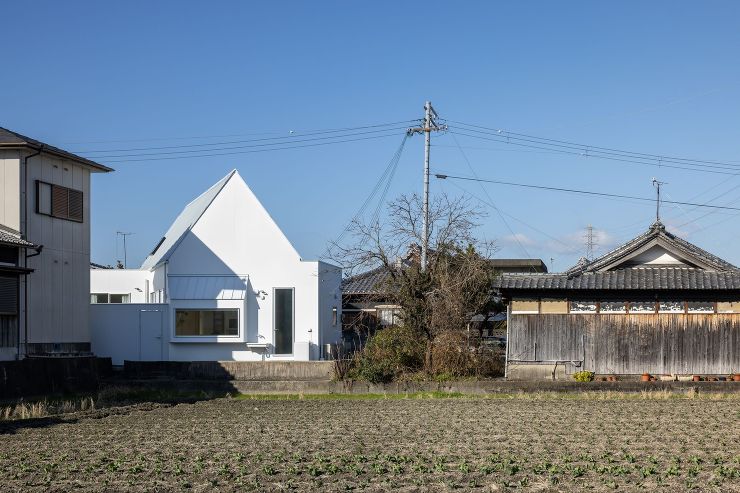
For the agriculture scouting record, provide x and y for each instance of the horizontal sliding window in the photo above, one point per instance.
(57, 201)
(701, 306)
(206, 322)
(109, 298)
(583, 307)
(613, 307)
(642, 307)
(671, 307)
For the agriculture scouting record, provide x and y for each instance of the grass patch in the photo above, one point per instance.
(545, 395)
(409, 395)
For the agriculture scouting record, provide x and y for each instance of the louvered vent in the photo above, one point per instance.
(8, 295)
(59, 201)
(75, 205)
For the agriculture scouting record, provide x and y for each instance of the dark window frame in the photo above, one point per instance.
(209, 336)
(68, 216)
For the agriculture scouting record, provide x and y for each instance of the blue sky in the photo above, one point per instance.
(654, 77)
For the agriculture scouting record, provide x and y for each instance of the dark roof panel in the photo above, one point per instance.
(8, 138)
(637, 278)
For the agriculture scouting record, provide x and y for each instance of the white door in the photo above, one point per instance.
(150, 327)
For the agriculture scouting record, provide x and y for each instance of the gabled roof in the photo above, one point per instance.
(624, 268)
(655, 236)
(368, 282)
(11, 140)
(184, 223)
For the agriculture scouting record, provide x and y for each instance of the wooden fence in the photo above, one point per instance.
(630, 344)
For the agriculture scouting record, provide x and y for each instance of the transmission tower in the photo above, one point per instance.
(591, 243)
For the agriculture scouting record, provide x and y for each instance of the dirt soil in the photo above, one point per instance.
(381, 445)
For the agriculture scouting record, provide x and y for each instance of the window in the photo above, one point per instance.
(207, 322)
(110, 298)
(8, 294)
(613, 307)
(283, 320)
(8, 255)
(670, 307)
(582, 307)
(387, 316)
(334, 316)
(58, 201)
(701, 307)
(642, 307)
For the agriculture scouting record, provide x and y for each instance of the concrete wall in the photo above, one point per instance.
(233, 370)
(42, 376)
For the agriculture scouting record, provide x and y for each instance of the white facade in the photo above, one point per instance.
(223, 253)
(53, 317)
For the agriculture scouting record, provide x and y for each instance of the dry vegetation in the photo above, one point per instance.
(519, 443)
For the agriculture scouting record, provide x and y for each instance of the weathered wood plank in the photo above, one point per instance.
(630, 344)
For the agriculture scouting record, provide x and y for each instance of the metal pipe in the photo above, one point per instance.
(24, 232)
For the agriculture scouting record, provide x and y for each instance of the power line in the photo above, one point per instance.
(390, 169)
(697, 167)
(284, 137)
(587, 147)
(584, 192)
(190, 156)
(284, 141)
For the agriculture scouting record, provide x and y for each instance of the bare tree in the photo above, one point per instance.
(458, 280)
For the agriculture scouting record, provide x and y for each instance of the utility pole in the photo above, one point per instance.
(430, 125)
(121, 233)
(657, 185)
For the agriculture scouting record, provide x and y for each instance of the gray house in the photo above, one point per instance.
(44, 202)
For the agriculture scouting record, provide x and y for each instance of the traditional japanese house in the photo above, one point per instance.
(366, 307)
(657, 304)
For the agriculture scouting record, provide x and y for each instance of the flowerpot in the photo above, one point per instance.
(645, 377)
(612, 378)
(696, 378)
(736, 377)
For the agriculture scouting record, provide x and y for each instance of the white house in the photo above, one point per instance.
(223, 283)
(44, 248)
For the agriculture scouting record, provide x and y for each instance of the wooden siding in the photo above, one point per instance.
(630, 344)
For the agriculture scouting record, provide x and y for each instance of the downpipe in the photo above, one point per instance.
(25, 259)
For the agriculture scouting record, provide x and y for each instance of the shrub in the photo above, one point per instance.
(453, 357)
(583, 376)
(391, 352)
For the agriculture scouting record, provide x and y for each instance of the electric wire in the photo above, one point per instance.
(385, 178)
(290, 137)
(587, 147)
(442, 176)
(191, 156)
(698, 167)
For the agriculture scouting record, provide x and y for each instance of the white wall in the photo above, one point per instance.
(118, 329)
(235, 238)
(10, 188)
(121, 281)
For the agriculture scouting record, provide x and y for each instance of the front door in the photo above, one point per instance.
(150, 326)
